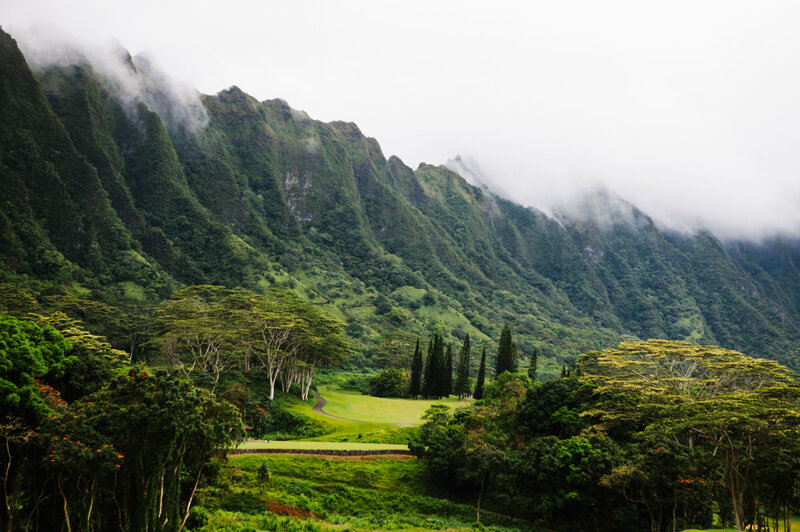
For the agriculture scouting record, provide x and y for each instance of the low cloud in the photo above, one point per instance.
(689, 110)
(134, 79)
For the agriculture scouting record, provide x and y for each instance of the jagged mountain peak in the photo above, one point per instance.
(266, 195)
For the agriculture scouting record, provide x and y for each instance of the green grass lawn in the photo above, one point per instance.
(795, 526)
(321, 445)
(379, 410)
(375, 418)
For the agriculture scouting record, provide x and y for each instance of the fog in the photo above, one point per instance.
(134, 79)
(687, 109)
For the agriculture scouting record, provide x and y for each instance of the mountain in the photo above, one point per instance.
(119, 185)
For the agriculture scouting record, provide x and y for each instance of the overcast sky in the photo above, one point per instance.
(689, 109)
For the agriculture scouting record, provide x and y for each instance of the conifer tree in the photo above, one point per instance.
(428, 378)
(534, 362)
(416, 373)
(447, 376)
(506, 352)
(462, 375)
(437, 366)
(478, 394)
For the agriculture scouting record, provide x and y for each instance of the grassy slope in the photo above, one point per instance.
(325, 494)
(376, 419)
(353, 405)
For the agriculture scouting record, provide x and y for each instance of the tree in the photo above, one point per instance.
(207, 321)
(478, 393)
(534, 362)
(322, 343)
(427, 377)
(461, 387)
(447, 374)
(415, 388)
(434, 378)
(125, 453)
(388, 383)
(27, 353)
(441, 443)
(130, 456)
(730, 404)
(210, 330)
(506, 352)
(30, 356)
(561, 478)
(274, 327)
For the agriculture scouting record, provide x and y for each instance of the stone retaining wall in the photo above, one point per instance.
(331, 452)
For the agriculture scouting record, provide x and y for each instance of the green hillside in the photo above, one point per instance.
(106, 200)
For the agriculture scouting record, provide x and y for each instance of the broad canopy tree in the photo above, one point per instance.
(208, 330)
(734, 406)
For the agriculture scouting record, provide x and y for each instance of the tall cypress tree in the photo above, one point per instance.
(506, 352)
(534, 362)
(462, 374)
(437, 366)
(447, 376)
(416, 373)
(478, 394)
(428, 378)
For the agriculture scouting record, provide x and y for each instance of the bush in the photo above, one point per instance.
(283, 424)
(198, 517)
(390, 382)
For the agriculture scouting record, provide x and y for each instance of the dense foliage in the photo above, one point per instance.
(212, 330)
(126, 455)
(653, 435)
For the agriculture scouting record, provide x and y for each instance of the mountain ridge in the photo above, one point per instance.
(261, 194)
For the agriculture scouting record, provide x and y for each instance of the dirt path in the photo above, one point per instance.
(322, 402)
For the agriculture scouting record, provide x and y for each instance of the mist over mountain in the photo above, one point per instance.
(689, 112)
(120, 184)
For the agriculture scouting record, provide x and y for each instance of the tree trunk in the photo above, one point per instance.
(307, 385)
(191, 496)
(480, 494)
(66, 505)
(91, 503)
(6, 476)
(674, 509)
(161, 496)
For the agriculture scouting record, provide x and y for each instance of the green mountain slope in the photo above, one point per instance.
(119, 197)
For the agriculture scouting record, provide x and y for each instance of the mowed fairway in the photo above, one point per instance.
(294, 445)
(365, 408)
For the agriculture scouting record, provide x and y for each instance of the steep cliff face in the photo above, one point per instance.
(120, 195)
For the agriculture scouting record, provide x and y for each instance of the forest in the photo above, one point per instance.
(653, 435)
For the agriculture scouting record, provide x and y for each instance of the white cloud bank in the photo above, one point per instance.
(688, 109)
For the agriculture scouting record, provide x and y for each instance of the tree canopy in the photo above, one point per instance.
(207, 330)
